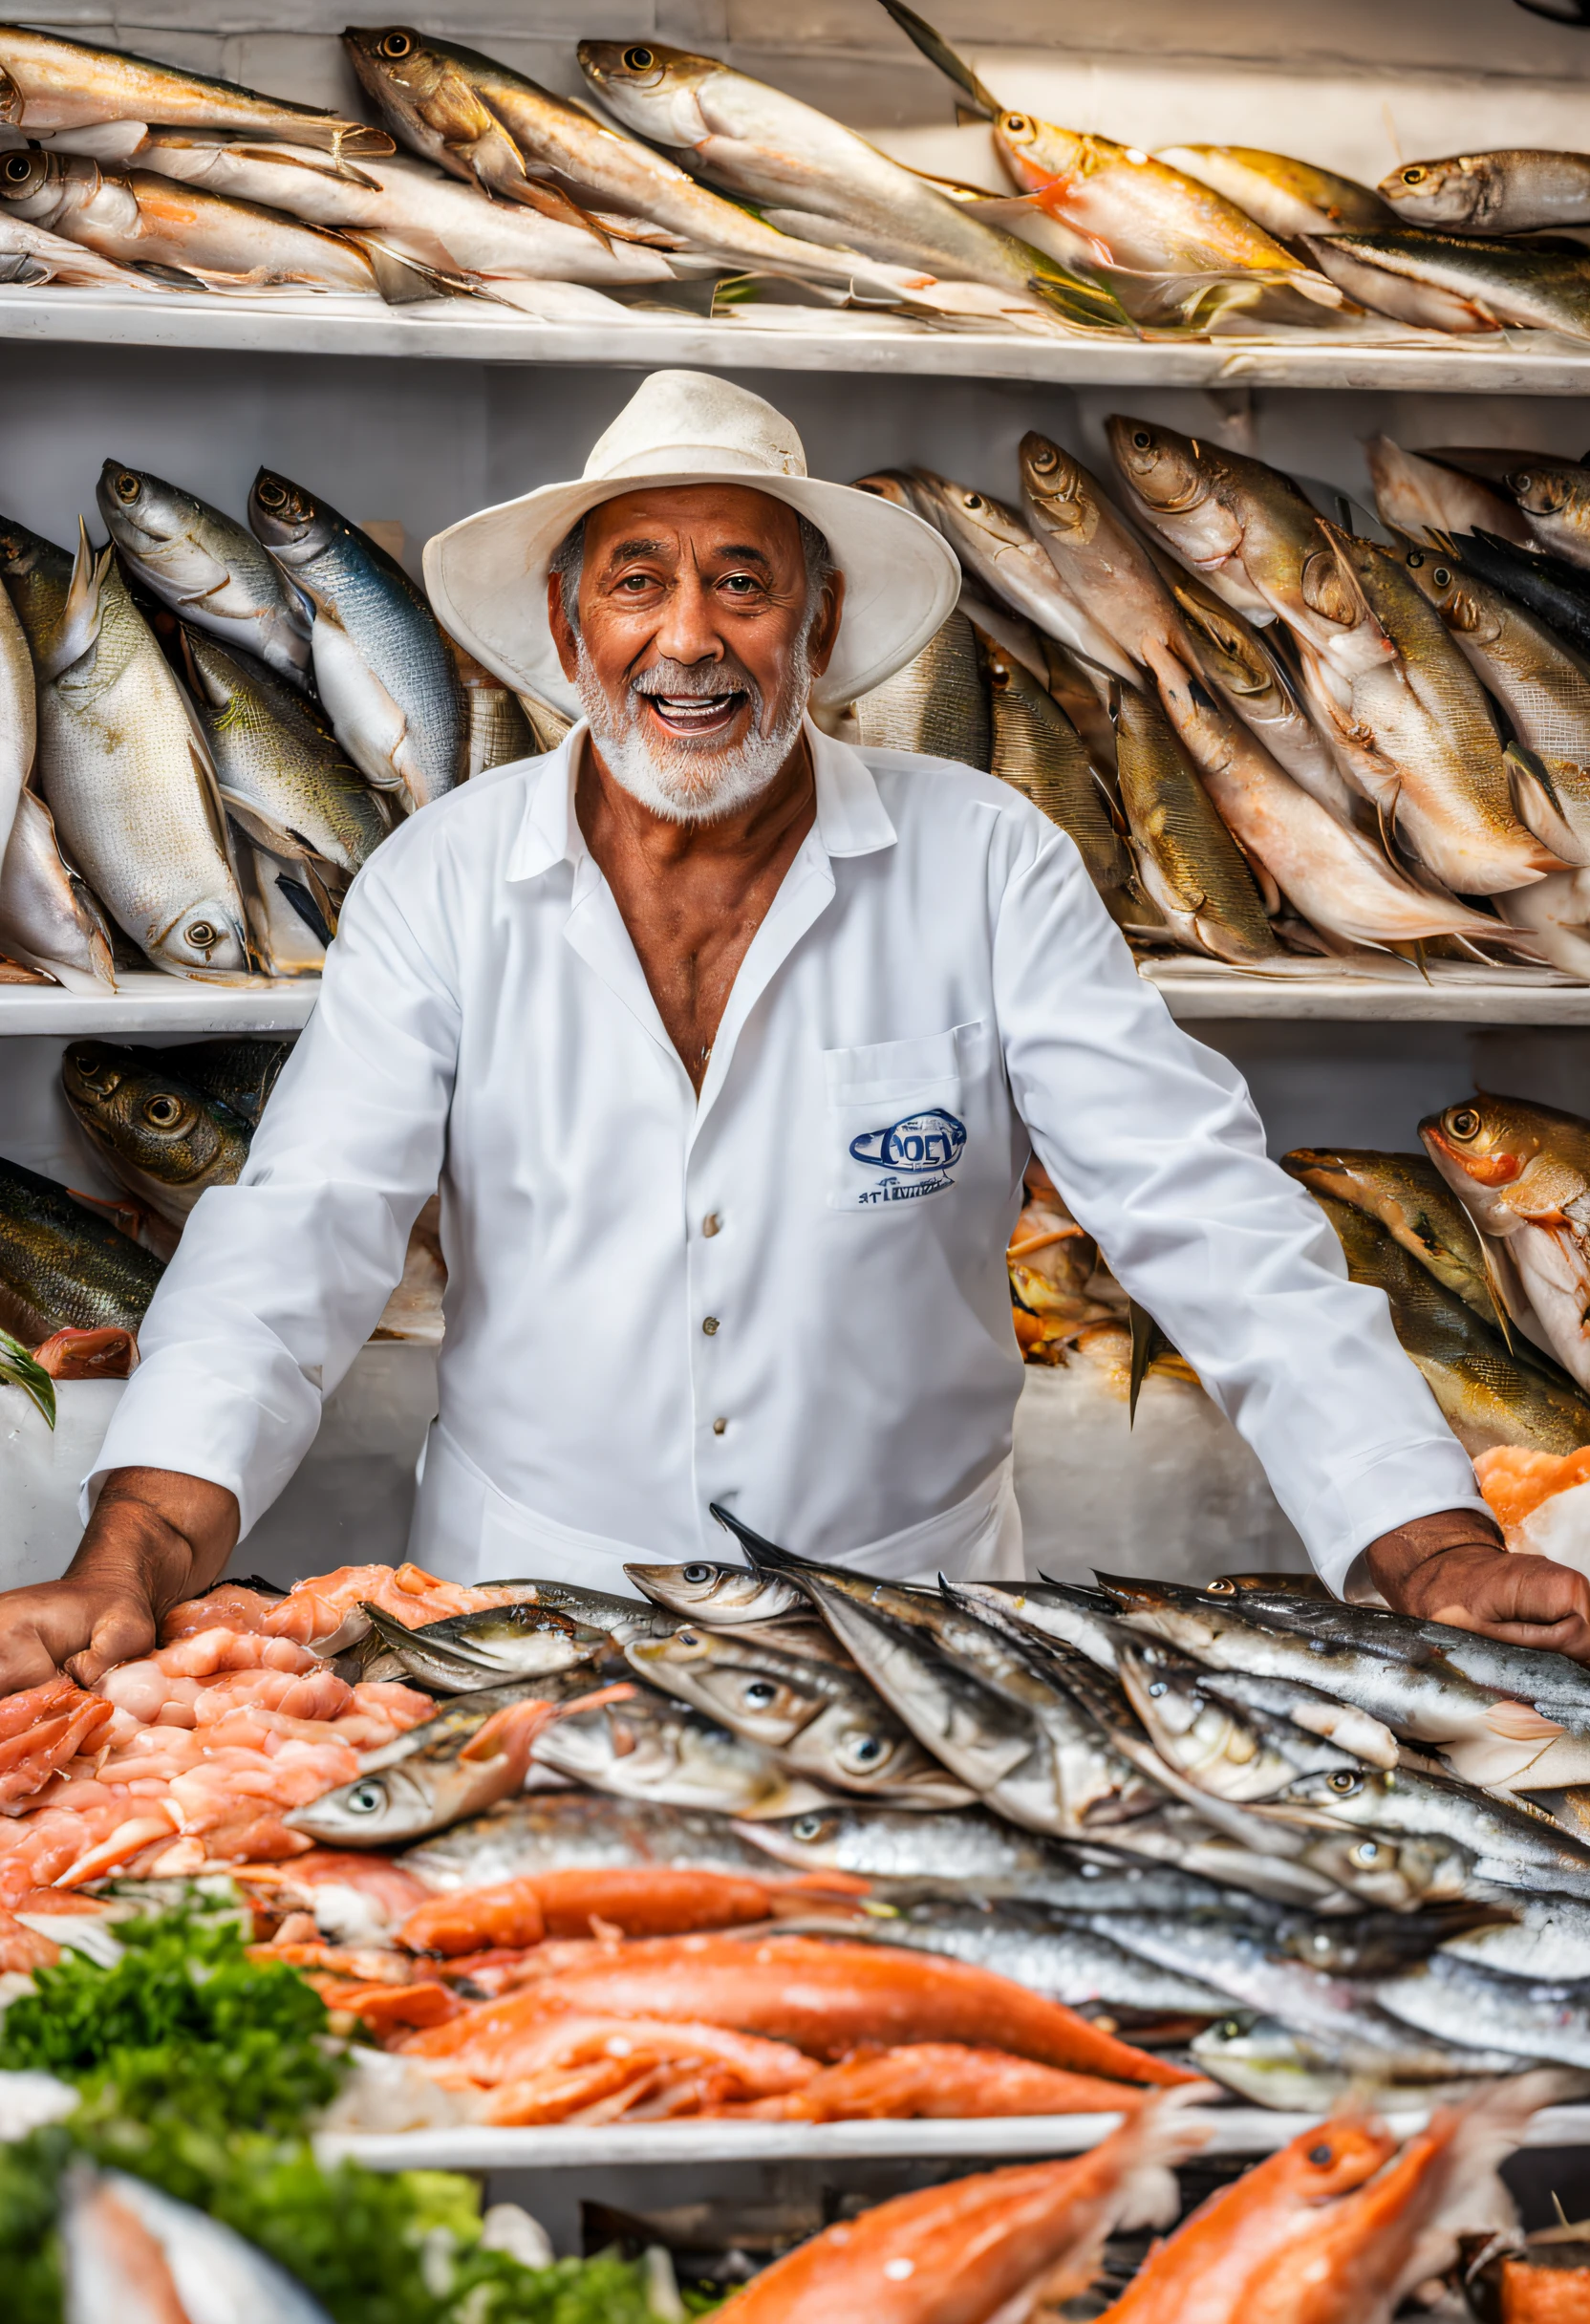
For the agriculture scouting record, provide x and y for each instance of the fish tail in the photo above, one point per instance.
(78, 625)
(1159, 2137)
(1521, 1723)
(1084, 305)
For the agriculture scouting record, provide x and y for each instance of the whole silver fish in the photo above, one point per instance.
(1455, 2000)
(1270, 2064)
(1547, 1937)
(49, 919)
(465, 1652)
(381, 663)
(936, 704)
(1005, 556)
(1047, 1951)
(69, 84)
(281, 770)
(1514, 190)
(1448, 283)
(1510, 1846)
(656, 1749)
(717, 1593)
(555, 1831)
(813, 178)
(206, 568)
(1240, 1754)
(434, 1775)
(125, 774)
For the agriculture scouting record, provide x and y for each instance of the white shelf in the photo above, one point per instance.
(1516, 362)
(1447, 994)
(1235, 2130)
(145, 1001)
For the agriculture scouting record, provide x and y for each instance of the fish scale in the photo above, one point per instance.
(61, 1263)
(1038, 752)
(935, 704)
(1188, 861)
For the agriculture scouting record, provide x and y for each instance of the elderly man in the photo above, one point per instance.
(728, 1045)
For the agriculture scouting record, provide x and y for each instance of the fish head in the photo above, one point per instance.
(38, 575)
(1543, 487)
(651, 87)
(141, 512)
(1443, 193)
(1063, 494)
(1502, 1156)
(813, 1841)
(973, 522)
(374, 1811)
(1039, 155)
(1468, 609)
(394, 62)
(898, 486)
(1168, 472)
(726, 1684)
(716, 1591)
(288, 519)
(150, 1118)
(206, 933)
(1395, 1874)
(1340, 1794)
(44, 187)
(1333, 2158)
(521, 1640)
(1225, 642)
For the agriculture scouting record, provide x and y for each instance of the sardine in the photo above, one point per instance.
(281, 770)
(1038, 752)
(1100, 559)
(1270, 2064)
(1287, 197)
(1445, 282)
(1237, 1754)
(1396, 1871)
(812, 178)
(1490, 1735)
(61, 1263)
(206, 566)
(474, 1752)
(417, 213)
(476, 118)
(1329, 2010)
(1418, 735)
(551, 1831)
(1523, 1173)
(1512, 1846)
(655, 1750)
(1456, 2000)
(69, 84)
(937, 704)
(162, 1138)
(1546, 1937)
(1407, 1195)
(1049, 1953)
(1419, 497)
(1188, 864)
(720, 1595)
(1002, 554)
(1550, 587)
(1081, 1618)
(125, 774)
(1551, 494)
(1244, 666)
(465, 1652)
(142, 219)
(1514, 190)
(49, 919)
(381, 661)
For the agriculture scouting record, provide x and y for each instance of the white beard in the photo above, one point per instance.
(684, 781)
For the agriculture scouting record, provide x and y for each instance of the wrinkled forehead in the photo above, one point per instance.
(712, 521)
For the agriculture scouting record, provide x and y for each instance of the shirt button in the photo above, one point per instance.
(718, 1427)
(710, 1325)
(711, 1223)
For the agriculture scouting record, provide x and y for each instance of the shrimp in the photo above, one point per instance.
(747, 2065)
(40, 1729)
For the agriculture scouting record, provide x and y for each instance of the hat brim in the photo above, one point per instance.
(487, 578)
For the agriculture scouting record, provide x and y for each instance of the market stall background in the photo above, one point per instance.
(203, 390)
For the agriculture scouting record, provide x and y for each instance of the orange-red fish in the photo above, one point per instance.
(935, 2080)
(635, 1899)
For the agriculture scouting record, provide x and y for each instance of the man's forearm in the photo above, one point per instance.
(166, 1534)
(1387, 1564)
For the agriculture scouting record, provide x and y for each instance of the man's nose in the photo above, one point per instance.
(688, 631)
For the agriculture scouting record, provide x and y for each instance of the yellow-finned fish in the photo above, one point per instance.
(1407, 1195)
(1188, 862)
(1287, 197)
(1038, 752)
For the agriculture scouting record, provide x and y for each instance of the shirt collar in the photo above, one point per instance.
(851, 819)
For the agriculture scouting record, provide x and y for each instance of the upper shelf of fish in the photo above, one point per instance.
(715, 216)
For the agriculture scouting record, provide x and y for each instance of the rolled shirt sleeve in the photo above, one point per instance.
(280, 1279)
(1157, 1147)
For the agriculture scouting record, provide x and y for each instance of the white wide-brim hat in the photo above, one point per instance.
(487, 575)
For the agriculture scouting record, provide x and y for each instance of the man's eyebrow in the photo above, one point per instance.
(742, 552)
(622, 551)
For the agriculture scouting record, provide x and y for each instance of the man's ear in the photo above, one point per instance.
(825, 631)
(564, 637)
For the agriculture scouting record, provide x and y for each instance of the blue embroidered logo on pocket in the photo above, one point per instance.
(921, 1149)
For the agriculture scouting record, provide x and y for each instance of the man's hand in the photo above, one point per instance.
(1453, 1568)
(154, 1538)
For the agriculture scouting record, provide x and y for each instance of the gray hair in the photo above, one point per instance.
(567, 562)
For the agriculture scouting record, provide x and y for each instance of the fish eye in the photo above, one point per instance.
(19, 167)
(760, 1691)
(638, 60)
(1322, 2155)
(1463, 1122)
(1045, 459)
(270, 493)
(695, 1575)
(200, 935)
(687, 1638)
(163, 1112)
(1366, 1853)
(1159, 1687)
(366, 1798)
(126, 487)
(972, 500)
(1141, 440)
(395, 44)
(1229, 2029)
(1415, 558)
(806, 1827)
(1344, 1781)
(1441, 577)
(998, 676)
(1414, 175)
(1017, 124)
(1522, 481)
(1220, 1590)
(868, 1750)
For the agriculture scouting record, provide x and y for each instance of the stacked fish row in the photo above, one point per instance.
(698, 187)
(1315, 1830)
(207, 730)
(1277, 741)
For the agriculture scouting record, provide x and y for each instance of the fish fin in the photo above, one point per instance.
(1147, 1343)
(980, 102)
(78, 623)
(1521, 1723)
(1494, 1284)
(262, 828)
(759, 1550)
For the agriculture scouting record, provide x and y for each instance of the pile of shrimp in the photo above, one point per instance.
(187, 1760)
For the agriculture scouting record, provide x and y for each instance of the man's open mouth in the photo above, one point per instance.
(694, 714)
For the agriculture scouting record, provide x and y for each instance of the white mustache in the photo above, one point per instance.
(703, 679)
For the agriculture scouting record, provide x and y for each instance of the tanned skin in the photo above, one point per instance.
(687, 574)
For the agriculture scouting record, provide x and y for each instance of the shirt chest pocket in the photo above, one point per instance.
(897, 1118)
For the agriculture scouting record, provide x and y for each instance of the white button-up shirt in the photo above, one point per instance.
(789, 1293)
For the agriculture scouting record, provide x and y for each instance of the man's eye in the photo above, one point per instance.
(742, 584)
